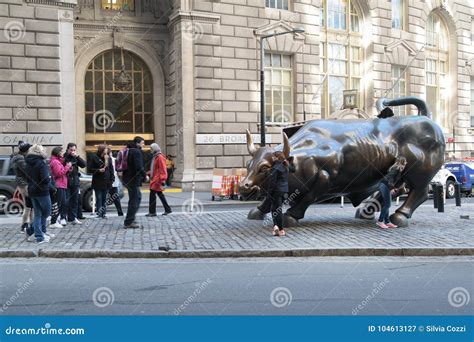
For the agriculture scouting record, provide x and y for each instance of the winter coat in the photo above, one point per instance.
(101, 180)
(59, 172)
(159, 172)
(278, 181)
(39, 178)
(19, 166)
(73, 175)
(135, 172)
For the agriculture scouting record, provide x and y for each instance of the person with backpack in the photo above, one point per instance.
(102, 171)
(133, 176)
(73, 182)
(39, 182)
(114, 188)
(158, 176)
(21, 180)
(59, 173)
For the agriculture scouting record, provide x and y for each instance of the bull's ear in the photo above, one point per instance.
(286, 145)
(250, 145)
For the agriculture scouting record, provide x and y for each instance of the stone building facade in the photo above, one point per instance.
(185, 73)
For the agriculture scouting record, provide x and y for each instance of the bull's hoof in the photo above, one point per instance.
(256, 214)
(399, 219)
(289, 221)
(364, 214)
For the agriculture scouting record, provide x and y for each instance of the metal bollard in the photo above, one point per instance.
(457, 194)
(435, 195)
(440, 199)
(342, 201)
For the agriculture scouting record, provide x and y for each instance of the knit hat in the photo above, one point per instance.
(24, 147)
(155, 148)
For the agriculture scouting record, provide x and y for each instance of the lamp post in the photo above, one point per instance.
(262, 79)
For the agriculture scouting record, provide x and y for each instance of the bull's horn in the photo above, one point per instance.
(286, 145)
(250, 145)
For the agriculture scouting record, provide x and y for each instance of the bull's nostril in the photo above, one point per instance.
(246, 185)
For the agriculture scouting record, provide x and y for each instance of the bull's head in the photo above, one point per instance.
(259, 166)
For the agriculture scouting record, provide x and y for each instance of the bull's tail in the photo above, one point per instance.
(419, 103)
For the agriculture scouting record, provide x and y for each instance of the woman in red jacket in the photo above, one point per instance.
(158, 176)
(59, 171)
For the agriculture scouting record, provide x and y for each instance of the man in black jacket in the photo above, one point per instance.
(73, 182)
(133, 177)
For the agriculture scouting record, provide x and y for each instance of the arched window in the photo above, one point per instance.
(436, 67)
(118, 97)
(341, 53)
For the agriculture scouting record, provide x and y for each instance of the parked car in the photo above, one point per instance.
(447, 179)
(8, 188)
(464, 172)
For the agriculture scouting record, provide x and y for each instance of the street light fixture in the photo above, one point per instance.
(262, 78)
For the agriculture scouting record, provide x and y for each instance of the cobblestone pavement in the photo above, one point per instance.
(323, 227)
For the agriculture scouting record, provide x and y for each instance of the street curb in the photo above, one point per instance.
(172, 254)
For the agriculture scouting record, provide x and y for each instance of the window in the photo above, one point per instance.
(397, 14)
(436, 68)
(121, 110)
(278, 4)
(278, 88)
(472, 101)
(399, 85)
(127, 5)
(341, 54)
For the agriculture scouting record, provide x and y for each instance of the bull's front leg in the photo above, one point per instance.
(416, 197)
(261, 210)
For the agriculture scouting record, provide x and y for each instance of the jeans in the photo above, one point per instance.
(42, 209)
(115, 199)
(100, 200)
(277, 209)
(152, 206)
(61, 196)
(134, 199)
(72, 203)
(387, 202)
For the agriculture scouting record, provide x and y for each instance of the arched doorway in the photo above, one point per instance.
(118, 99)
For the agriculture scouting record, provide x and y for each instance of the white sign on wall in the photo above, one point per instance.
(229, 138)
(43, 139)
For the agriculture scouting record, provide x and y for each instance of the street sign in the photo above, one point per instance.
(43, 139)
(229, 138)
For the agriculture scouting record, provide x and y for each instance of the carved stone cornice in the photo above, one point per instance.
(193, 16)
(57, 3)
(98, 27)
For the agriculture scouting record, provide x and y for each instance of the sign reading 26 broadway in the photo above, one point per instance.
(229, 138)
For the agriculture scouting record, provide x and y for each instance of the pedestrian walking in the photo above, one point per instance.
(102, 171)
(133, 176)
(73, 182)
(169, 169)
(278, 190)
(114, 189)
(39, 182)
(59, 173)
(21, 180)
(387, 189)
(158, 177)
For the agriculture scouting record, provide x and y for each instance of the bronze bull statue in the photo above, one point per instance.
(336, 158)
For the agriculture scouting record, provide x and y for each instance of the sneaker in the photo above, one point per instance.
(50, 235)
(382, 225)
(56, 225)
(24, 226)
(41, 242)
(166, 213)
(282, 232)
(391, 225)
(30, 238)
(63, 222)
(132, 226)
(76, 221)
(276, 231)
(150, 215)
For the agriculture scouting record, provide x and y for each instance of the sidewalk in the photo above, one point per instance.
(327, 230)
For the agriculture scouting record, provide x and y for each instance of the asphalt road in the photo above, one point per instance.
(286, 286)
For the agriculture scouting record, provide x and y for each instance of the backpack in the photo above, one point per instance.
(121, 163)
